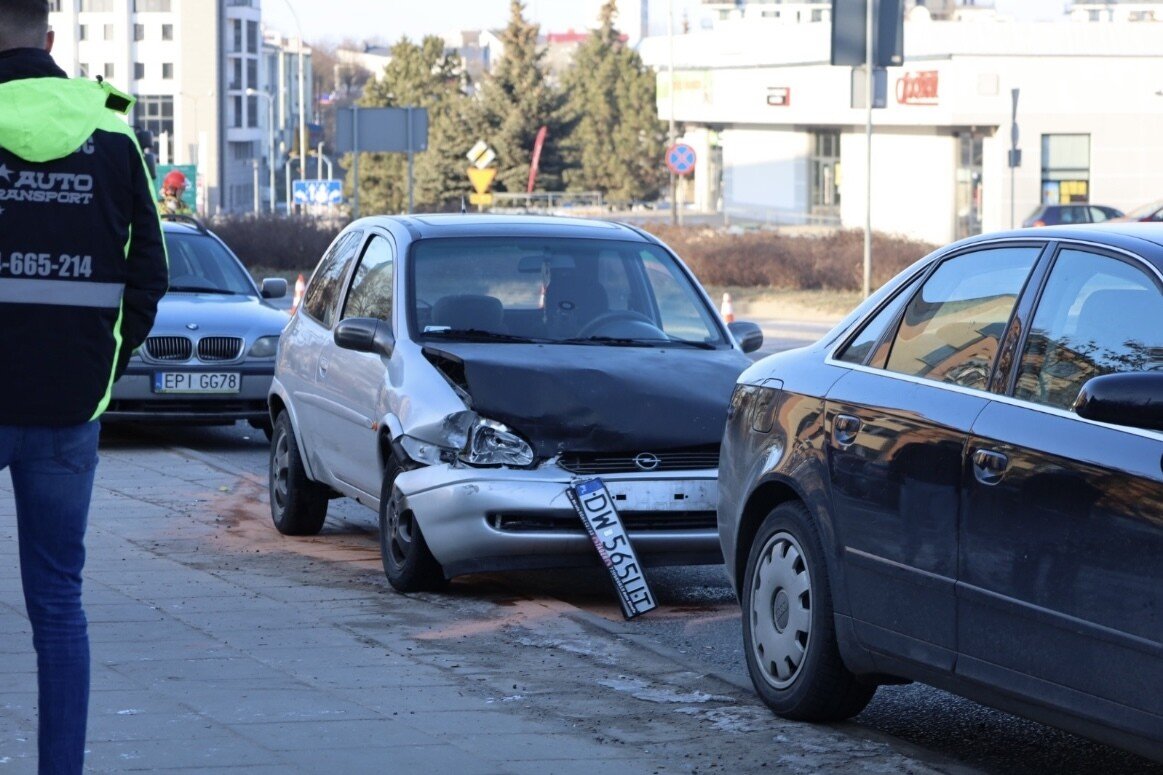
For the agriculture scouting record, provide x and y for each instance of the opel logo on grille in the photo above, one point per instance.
(647, 461)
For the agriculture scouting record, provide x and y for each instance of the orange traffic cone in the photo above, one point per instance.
(300, 286)
(728, 309)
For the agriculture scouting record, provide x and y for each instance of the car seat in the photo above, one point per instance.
(469, 311)
(572, 301)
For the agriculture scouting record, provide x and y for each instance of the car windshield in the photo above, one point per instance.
(555, 291)
(201, 264)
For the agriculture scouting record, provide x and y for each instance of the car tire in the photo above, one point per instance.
(298, 504)
(789, 634)
(408, 563)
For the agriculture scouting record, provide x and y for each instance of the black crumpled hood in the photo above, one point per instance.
(565, 398)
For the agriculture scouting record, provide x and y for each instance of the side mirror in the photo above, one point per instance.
(1133, 398)
(274, 287)
(365, 335)
(748, 335)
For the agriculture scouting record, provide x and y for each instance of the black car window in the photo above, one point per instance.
(857, 350)
(323, 291)
(951, 327)
(1097, 315)
(371, 287)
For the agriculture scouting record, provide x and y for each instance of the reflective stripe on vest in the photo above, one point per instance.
(63, 293)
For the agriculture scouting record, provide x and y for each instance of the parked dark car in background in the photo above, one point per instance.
(210, 355)
(961, 485)
(458, 373)
(1055, 215)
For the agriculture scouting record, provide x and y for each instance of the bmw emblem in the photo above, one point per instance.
(192, 326)
(647, 461)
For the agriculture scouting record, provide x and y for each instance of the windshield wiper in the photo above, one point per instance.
(477, 335)
(693, 343)
(200, 289)
(617, 341)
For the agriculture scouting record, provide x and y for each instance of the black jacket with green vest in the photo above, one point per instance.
(82, 261)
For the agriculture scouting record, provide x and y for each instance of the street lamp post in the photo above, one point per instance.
(270, 139)
(302, 100)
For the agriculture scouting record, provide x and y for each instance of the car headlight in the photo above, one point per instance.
(472, 440)
(491, 443)
(264, 347)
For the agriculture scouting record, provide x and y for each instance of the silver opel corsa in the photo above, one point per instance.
(458, 373)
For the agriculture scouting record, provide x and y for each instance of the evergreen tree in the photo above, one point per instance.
(423, 76)
(617, 142)
(516, 102)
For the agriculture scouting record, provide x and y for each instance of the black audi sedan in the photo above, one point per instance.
(961, 485)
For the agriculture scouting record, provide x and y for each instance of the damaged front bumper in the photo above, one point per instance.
(492, 519)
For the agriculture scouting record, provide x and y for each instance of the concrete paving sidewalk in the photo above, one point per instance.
(211, 655)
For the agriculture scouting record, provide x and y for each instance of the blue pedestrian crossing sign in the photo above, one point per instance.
(680, 159)
(317, 192)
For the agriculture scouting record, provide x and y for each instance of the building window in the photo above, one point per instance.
(252, 72)
(108, 32)
(1065, 168)
(242, 151)
(83, 32)
(236, 112)
(252, 37)
(168, 71)
(235, 73)
(139, 70)
(236, 35)
(108, 71)
(826, 173)
(153, 5)
(167, 32)
(54, 6)
(156, 113)
(252, 111)
(139, 32)
(97, 6)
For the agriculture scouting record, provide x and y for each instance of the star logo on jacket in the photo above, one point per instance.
(5, 173)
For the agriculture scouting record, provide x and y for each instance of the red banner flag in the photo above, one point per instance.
(537, 144)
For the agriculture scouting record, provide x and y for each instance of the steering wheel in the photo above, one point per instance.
(607, 318)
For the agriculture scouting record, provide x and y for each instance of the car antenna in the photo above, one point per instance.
(462, 209)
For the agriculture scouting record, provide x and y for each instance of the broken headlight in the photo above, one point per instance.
(491, 443)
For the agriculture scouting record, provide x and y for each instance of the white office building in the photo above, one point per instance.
(777, 137)
(201, 73)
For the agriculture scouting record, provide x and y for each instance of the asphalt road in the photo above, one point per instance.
(699, 623)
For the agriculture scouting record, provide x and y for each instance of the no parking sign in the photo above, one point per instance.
(680, 159)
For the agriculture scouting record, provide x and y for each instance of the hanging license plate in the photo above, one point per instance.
(594, 505)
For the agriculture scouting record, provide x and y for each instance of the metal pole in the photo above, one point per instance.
(355, 161)
(868, 99)
(257, 196)
(271, 148)
(411, 154)
(302, 99)
(287, 171)
(671, 130)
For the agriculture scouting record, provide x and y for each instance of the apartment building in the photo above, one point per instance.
(201, 73)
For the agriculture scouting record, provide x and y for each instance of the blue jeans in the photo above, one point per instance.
(52, 478)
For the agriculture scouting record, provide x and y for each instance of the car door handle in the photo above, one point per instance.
(988, 466)
(844, 430)
(323, 363)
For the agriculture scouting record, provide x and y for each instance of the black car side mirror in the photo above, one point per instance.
(747, 334)
(366, 335)
(1132, 398)
(274, 287)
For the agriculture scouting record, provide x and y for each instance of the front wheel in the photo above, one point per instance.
(298, 504)
(407, 561)
(788, 632)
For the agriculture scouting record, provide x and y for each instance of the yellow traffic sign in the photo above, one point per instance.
(480, 199)
(481, 179)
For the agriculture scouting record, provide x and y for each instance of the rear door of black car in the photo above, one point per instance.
(897, 427)
(1061, 588)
